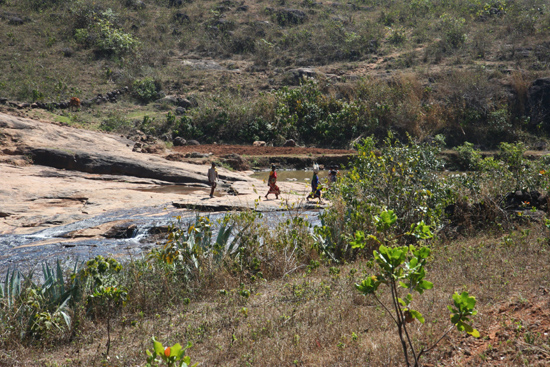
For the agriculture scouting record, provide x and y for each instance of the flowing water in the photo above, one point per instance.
(28, 251)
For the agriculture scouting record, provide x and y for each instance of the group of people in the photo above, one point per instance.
(272, 182)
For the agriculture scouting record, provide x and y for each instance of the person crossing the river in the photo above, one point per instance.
(315, 186)
(272, 183)
(212, 178)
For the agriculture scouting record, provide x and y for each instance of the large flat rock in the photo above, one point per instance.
(77, 175)
(69, 148)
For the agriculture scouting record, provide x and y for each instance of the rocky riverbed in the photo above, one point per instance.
(67, 192)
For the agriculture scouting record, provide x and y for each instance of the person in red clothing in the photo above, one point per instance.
(272, 183)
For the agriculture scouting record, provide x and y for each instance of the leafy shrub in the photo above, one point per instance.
(173, 356)
(403, 267)
(468, 158)
(116, 122)
(146, 90)
(397, 36)
(107, 295)
(95, 28)
(401, 176)
(453, 30)
(112, 40)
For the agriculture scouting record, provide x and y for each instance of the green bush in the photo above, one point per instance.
(401, 176)
(468, 158)
(403, 270)
(112, 40)
(96, 29)
(146, 90)
(453, 30)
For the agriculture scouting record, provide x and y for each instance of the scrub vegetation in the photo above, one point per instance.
(398, 81)
(242, 291)
(457, 68)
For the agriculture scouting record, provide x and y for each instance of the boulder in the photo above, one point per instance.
(179, 141)
(259, 143)
(289, 143)
(193, 142)
(295, 76)
(86, 102)
(128, 230)
(184, 103)
(67, 51)
(197, 155)
(236, 162)
(289, 16)
(15, 20)
(168, 99)
(180, 111)
(181, 17)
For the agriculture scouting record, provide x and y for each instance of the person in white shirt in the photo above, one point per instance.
(212, 178)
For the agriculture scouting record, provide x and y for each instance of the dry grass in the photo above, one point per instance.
(318, 318)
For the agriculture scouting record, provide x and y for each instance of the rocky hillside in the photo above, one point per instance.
(230, 71)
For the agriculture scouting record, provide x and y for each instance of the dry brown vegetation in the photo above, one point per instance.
(316, 317)
(459, 64)
(417, 67)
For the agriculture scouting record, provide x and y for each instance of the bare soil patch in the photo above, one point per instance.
(221, 150)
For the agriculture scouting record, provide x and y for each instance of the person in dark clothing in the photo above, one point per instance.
(315, 187)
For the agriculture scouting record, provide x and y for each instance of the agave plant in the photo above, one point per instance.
(10, 289)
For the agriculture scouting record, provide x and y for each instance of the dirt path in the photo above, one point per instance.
(221, 150)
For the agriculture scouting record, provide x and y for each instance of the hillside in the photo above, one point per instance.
(457, 68)
(429, 249)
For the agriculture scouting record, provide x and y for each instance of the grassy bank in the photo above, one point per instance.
(247, 292)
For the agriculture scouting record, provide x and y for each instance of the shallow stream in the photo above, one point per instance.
(29, 251)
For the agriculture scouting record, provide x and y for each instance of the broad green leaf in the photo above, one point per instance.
(427, 285)
(159, 349)
(368, 285)
(402, 302)
(176, 351)
(359, 240)
(475, 333)
(467, 328)
(417, 315)
(385, 220)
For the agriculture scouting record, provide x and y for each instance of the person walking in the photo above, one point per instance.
(272, 183)
(212, 178)
(315, 187)
(332, 175)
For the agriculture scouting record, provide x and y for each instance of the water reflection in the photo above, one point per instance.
(26, 251)
(293, 175)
